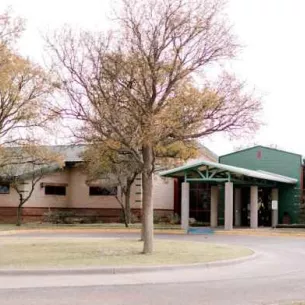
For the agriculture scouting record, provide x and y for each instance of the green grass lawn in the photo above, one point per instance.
(6, 227)
(84, 252)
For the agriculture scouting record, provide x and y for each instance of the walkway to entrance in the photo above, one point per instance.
(239, 183)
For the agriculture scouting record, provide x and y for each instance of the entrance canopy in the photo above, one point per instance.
(212, 172)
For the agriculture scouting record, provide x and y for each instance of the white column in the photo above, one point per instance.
(228, 206)
(214, 206)
(275, 212)
(237, 206)
(185, 205)
(253, 207)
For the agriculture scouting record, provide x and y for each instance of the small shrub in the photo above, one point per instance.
(74, 220)
(48, 216)
(192, 221)
(121, 219)
(58, 217)
(173, 219)
(92, 219)
(157, 218)
(134, 218)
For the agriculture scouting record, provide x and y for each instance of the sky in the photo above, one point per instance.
(272, 60)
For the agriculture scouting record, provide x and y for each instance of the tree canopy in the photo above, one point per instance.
(148, 83)
(25, 87)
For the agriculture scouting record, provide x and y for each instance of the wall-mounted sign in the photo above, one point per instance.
(274, 204)
(259, 155)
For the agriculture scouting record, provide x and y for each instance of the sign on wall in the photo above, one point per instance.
(274, 204)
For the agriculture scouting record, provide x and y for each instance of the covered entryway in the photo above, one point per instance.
(250, 197)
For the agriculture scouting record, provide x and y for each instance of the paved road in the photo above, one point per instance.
(276, 276)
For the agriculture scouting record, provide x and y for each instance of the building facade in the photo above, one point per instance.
(258, 186)
(279, 162)
(67, 189)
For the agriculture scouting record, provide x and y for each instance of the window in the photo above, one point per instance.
(55, 190)
(4, 188)
(101, 191)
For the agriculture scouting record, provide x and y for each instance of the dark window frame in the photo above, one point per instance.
(55, 190)
(102, 191)
(5, 185)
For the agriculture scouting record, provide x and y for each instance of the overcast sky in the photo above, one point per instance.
(273, 60)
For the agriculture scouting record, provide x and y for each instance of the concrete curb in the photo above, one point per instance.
(125, 270)
(261, 234)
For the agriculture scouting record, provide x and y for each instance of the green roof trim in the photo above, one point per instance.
(220, 168)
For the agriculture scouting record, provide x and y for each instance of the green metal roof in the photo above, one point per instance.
(202, 166)
(261, 146)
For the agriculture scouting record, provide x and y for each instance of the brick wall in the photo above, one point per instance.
(30, 214)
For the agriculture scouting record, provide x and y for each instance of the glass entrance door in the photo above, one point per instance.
(200, 203)
(264, 207)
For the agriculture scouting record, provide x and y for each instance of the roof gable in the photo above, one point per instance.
(202, 166)
(262, 147)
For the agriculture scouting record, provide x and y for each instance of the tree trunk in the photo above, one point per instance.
(125, 217)
(147, 204)
(127, 204)
(120, 201)
(142, 221)
(142, 215)
(19, 215)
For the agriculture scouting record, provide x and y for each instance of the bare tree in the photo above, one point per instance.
(147, 84)
(24, 86)
(23, 167)
(25, 189)
(11, 28)
(113, 169)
